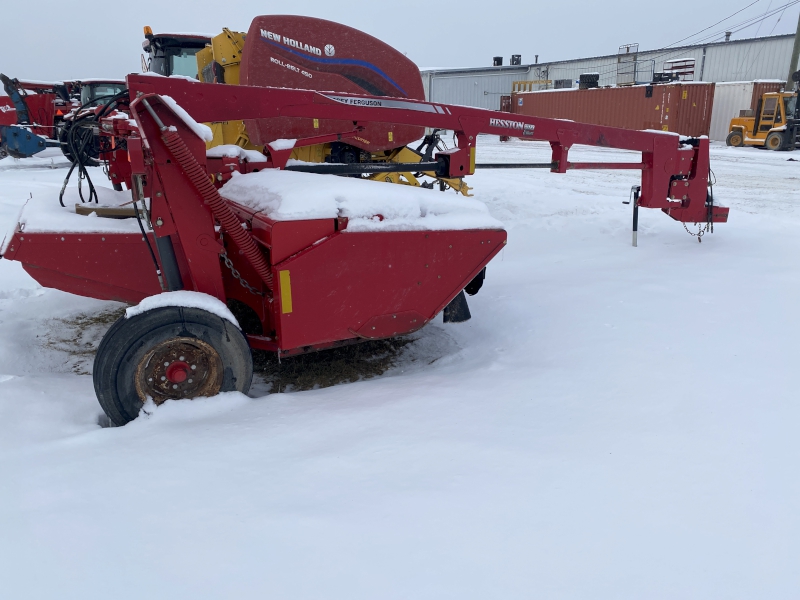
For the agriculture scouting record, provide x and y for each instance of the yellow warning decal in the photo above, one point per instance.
(286, 292)
(391, 136)
(685, 94)
(316, 123)
(472, 160)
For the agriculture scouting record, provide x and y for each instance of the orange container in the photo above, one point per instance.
(683, 107)
(764, 87)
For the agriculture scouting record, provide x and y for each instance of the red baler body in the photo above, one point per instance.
(286, 51)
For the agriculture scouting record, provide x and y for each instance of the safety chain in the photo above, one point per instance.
(709, 227)
(238, 276)
(701, 231)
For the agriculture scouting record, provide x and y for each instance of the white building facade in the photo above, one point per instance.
(736, 60)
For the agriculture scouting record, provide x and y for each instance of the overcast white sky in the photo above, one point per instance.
(50, 40)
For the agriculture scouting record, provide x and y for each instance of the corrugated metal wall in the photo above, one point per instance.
(472, 88)
(426, 83)
(683, 108)
(762, 58)
(605, 66)
(766, 58)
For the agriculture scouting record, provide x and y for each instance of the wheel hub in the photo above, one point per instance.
(179, 368)
(178, 371)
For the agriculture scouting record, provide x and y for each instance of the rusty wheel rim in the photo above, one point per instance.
(179, 368)
(774, 143)
(736, 140)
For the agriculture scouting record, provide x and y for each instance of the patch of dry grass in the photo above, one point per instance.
(78, 337)
(326, 368)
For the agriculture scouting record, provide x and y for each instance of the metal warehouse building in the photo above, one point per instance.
(736, 60)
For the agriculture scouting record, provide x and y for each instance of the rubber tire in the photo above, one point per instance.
(730, 139)
(128, 340)
(772, 136)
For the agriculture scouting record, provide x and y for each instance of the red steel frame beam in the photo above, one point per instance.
(614, 166)
(665, 160)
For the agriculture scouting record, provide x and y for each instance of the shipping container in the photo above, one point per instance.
(764, 87)
(683, 108)
(731, 98)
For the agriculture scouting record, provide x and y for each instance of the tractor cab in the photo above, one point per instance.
(172, 53)
(773, 124)
(95, 92)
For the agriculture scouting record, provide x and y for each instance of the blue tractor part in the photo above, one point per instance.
(11, 88)
(17, 140)
(20, 142)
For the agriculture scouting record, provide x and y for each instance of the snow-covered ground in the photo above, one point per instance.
(614, 422)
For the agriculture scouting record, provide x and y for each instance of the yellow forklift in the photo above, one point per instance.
(774, 124)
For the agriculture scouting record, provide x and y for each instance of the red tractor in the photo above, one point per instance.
(32, 115)
(36, 114)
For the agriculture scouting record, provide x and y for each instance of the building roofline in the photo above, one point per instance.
(527, 67)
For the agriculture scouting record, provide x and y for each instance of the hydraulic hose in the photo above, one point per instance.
(223, 213)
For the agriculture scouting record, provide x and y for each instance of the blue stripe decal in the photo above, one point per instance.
(337, 61)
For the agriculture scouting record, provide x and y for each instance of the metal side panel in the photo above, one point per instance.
(375, 285)
(107, 266)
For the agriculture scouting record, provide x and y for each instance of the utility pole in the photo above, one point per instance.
(795, 56)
